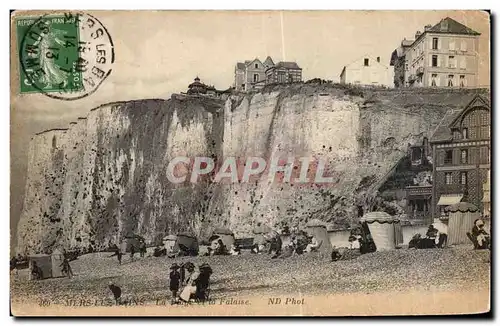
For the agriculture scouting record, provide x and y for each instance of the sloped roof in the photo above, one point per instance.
(407, 42)
(342, 72)
(240, 65)
(269, 61)
(250, 62)
(451, 26)
(395, 55)
(287, 64)
(443, 132)
(476, 101)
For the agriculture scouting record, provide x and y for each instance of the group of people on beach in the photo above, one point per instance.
(437, 236)
(188, 284)
(298, 242)
(141, 247)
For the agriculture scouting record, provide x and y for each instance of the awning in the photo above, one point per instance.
(452, 199)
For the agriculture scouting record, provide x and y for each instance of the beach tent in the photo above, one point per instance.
(383, 230)
(187, 242)
(169, 242)
(57, 258)
(123, 246)
(461, 220)
(317, 229)
(44, 262)
(226, 235)
(286, 239)
(260, 234)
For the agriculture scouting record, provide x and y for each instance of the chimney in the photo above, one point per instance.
(427, 27)
(417, 34)
(378, 59)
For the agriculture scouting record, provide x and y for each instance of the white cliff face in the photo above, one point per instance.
(106, 176)
(273, 125)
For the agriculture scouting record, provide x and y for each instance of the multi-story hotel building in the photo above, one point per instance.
(443, 55)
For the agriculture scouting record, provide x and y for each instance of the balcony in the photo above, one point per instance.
(417, 191)
(420, 71)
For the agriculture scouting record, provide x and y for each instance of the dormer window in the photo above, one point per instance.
(256, 66)
(367, 61)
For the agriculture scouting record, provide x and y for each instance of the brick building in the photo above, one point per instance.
(461, 156)
(284, 72)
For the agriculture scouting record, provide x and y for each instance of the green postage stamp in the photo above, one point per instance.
(62, 55)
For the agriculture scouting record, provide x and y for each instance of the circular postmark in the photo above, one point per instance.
(65, 56)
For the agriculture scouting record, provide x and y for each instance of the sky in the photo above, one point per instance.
(158, 53)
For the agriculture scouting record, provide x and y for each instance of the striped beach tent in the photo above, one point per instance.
(461, 220)
(384, 229)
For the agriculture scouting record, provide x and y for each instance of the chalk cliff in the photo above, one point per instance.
(105, 175)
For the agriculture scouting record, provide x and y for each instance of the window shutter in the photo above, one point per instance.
(439, 43)
(452, 46)
(438, 78)
(463, 46)
(438, 61)
(447, 62)
(430, 61)
(430, 43)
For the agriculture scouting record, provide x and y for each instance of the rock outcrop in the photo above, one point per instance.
(106, 175)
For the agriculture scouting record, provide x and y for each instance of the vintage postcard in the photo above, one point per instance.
(250, 163)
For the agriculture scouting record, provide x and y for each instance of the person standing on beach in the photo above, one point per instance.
(175, 280)
(118, 254)
(66, 268)
(132, 252)
(142, 249)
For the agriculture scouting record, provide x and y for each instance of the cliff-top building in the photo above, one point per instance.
(284, 72)
(443, 55)
(255, 74)
(251, 74)
(398, 61)
(461, 156)
(199, 88)
(367, 71)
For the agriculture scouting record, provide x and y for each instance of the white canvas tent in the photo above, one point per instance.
(382, 229)
(44, 262)
(461, 220)
(169, 242)
(317, 229)
(57, 258)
